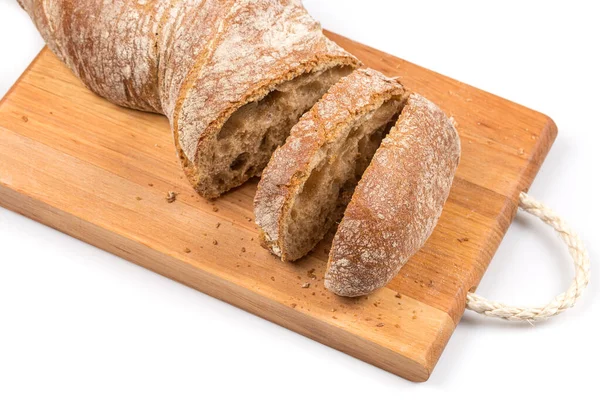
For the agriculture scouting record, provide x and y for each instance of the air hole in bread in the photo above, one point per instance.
(258, 128)
(264, 143)
(330, 186)
(239, 162)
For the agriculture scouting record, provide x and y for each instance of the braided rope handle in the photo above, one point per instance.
(561, 302)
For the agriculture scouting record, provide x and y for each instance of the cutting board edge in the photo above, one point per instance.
(33, 62)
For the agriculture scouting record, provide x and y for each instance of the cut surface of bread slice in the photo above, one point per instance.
(398, 201)
(309, 180)
(245, 143)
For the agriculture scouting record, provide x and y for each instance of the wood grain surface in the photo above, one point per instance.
(101, 173)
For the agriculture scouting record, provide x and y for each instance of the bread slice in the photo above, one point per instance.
(308, 181)
(398, 201)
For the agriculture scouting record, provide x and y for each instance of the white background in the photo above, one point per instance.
(79, 323)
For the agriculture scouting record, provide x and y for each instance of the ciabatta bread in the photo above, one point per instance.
(397, 202)
(310, 179)
(232, 76)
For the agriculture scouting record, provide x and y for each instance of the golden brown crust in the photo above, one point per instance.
(398, 201)
(352, 98)
(196, 61)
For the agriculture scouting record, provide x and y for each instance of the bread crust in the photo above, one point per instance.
(398, 201)
(196, 61)
(351, 99)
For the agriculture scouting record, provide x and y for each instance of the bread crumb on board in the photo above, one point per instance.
(305, 285)
(380, 325)
(171, 196)
(187, 250)
(24, 118)
(218, 225)
(215, 242)
(138, 198)
(215, 209)
(462, 240)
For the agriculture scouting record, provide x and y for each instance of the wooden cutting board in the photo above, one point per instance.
(100, 173)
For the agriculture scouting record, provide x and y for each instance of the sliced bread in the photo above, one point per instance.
(309, 181)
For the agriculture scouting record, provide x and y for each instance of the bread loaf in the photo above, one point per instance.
(232, 76)
(309, 180)
(397, 202)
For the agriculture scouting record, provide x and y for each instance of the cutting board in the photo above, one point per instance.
(100, 173)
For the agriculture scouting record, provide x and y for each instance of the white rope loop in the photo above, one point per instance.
(561, 302)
